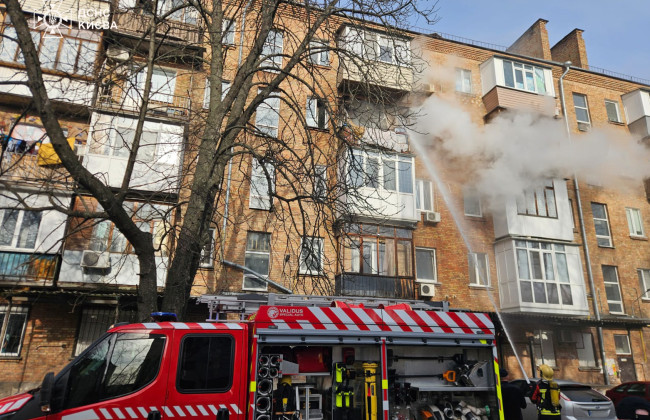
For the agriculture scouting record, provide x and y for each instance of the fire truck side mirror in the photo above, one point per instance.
(223, 414)
(153, 415)
(46, 392)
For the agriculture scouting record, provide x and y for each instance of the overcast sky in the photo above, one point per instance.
(615, 32)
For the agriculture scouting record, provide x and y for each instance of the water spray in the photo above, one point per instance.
(419, 148)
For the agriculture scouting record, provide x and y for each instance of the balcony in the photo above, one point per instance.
(374, 59)
(511, 85)
(637, 107)
(374, 286)
(25, 268)
(135, 24)
(160, 105)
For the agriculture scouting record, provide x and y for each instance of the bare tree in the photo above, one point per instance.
(302, 81)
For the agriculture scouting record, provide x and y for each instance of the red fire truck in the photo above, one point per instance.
(282, 358)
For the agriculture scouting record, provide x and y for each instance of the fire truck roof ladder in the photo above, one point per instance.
(247, 304)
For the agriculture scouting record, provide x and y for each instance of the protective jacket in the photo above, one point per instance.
(546, 407)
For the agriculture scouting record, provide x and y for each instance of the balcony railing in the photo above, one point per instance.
(160, 104)
(374, 286)
(26, 267)
(131, 22)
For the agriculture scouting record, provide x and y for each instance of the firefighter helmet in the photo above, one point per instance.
(546, 371)
(285, 380)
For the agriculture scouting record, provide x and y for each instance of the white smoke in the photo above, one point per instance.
(517, 151)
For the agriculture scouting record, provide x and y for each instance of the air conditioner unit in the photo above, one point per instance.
(427, 289)
(566, 336)
(117, 54)
(95, 259)
(583, 126)
(431, 216)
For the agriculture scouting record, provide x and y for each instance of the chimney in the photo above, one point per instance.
(534, 42)
(571, 48)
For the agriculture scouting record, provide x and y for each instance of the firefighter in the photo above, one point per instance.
(547, 395)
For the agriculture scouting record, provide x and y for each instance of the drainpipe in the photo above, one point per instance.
(583, 233)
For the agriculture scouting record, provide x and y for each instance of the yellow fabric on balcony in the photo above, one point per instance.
(47, 156)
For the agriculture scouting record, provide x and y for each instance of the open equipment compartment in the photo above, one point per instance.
(375, 364)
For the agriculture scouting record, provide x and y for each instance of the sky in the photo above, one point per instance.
(615, 32)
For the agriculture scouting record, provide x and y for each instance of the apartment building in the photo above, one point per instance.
(66, 278)
(409, 222)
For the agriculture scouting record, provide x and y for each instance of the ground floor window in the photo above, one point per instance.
(622, 343)
(94, 323)
(585, 349)
(543, 349)
(13, 322)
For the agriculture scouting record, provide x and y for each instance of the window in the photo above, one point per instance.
(319, 53)
(542, 269)
(206, 364)
(380, 47)
(228, 31)
(163, 83)
(601, 223)
(585, 349)
(524, 77)
(272, 49)
(425, 265)
(381, 171)
(94, 323)
(316, 113)
(13, 322)
(479, 272)
(267, 116)
(225, 87)
(543, 349)
(613, 115)
(320, 182)
(622, 343)
(149, 218)
(463, 81)
(644, 281)
(19, 228)
(612, 289)
(311, 256)
(472, 204)
(538, 202)
(634, 221)
(262, 185)
(378, 250)
(156, 146)
(580, 105)
(180, 14)
(258, 255)
(134, 359)
(207, 253)
(423, 195)
(74, 52)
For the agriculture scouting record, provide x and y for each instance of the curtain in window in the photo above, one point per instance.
(9, 220)
(405, 177)
(99, 238)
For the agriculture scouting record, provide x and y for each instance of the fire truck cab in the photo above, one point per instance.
(285, 358)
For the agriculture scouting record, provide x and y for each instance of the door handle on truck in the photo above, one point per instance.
(223, 414)
(153, 415)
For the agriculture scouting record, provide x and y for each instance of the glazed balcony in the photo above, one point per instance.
(637, 107)
(161, 105)
(374, 286)
(519, 86)
(25, 268)
(374, 59)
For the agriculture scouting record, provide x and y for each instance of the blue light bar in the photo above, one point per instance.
(163, 317)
